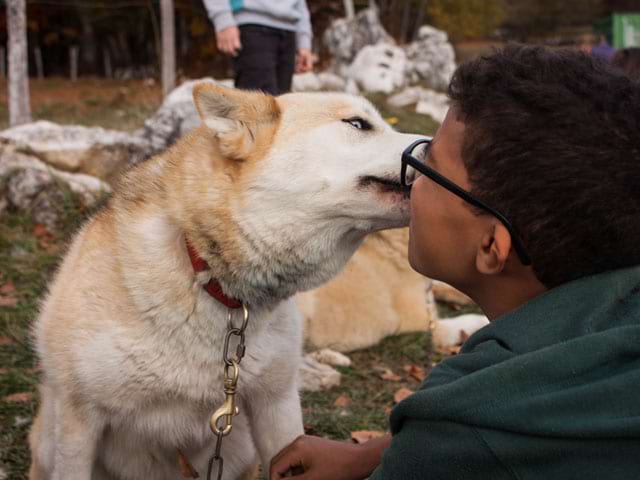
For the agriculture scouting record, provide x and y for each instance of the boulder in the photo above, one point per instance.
(306, 82)
(345, 38)
(93, 151)
(434, 104)
(379, 68)
(332, 82)
(431, 59)
(376, 295)
(176, 116)
(29, 184)
(405, 98)
(426, 101)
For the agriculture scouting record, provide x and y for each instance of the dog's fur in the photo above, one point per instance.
(275, 194)
(377, 294)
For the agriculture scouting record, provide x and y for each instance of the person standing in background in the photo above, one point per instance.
(268, 40)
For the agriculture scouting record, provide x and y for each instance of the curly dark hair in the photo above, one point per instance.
(628, 59)
(552, 140)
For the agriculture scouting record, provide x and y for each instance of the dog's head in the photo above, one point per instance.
(306, 175)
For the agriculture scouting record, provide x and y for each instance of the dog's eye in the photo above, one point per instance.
(359, 123)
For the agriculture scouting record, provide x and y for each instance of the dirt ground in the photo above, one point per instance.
(117, 104)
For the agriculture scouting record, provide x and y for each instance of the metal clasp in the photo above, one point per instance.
(228, 409)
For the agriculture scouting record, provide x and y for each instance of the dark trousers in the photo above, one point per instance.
(267, 59)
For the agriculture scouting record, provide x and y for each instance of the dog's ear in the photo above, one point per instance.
(239, 118)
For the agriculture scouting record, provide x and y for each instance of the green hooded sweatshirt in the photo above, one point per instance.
(548, 391)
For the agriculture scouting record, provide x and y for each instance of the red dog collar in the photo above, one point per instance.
(212, 287)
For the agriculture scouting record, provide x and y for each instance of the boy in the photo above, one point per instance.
(268, 40)
(529, 202)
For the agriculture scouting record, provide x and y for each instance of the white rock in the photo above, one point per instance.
(91, 150)
(332, 82)
(26, 183)
(352, 87)
(406, 97)
(431, 59)
(331, 357)
(434, 104)
(306, 82)
(449, 332)
(345, 38)
(379, 68)
(315, 376)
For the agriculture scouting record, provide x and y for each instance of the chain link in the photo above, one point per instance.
(222, 419)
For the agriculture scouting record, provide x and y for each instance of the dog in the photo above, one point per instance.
(268, 197)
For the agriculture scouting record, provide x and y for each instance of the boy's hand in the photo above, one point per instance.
(304, 60)
(320, 458)
(229, 41)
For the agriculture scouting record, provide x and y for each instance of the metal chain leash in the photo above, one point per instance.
(222, 418)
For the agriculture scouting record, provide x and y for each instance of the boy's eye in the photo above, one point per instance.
(359, 123)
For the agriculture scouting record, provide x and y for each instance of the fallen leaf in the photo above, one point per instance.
(19, 397)
(402, 394)
(415, 372)
(392, 120)
(8, 288)
(8, 301)
(362, 436)
(389, 375)
(6, 341)
(40, 231)
(342, 401)
(4, 371)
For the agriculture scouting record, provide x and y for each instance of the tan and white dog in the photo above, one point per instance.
(275, 194)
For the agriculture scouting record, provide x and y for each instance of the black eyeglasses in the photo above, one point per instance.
(412, 168)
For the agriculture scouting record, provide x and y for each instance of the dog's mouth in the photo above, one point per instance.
(387, 184)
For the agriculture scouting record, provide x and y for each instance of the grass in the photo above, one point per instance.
(121, 105)
(29, 256)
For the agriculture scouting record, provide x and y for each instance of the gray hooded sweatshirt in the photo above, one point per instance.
(292, 15)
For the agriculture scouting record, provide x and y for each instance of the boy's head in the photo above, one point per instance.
(551, 140)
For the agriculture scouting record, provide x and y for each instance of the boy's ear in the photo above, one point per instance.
(494, 249)
(236, 116)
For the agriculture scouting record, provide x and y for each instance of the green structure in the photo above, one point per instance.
(622, 29)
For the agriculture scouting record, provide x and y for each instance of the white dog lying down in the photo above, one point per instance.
(273, 195)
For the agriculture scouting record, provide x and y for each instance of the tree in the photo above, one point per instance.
(168, 47)
(348, 9)
(466, 19)
(18, 85)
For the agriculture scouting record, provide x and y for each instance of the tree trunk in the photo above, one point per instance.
(348, 9)
(19, 107)
(37, 55)
(168, 47)
(156, 30)
(422, 8)
(89, 50)
(73, 63)
(3, 63)
(404, 26)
